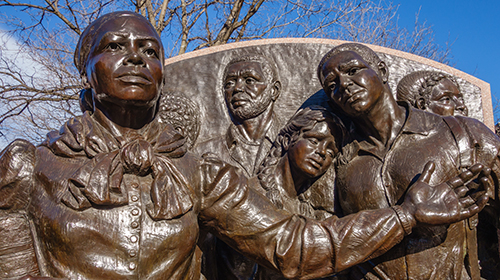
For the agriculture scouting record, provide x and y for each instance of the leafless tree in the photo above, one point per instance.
(39, 84)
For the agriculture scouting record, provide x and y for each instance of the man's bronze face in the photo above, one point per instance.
(246, 90)
(125, 63)
(351, 83)
(445, 98)
(313, 152)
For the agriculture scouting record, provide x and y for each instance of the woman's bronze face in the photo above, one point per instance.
(125, 63)
(313, 152)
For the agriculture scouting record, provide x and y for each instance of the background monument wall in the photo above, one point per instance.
(198, 75)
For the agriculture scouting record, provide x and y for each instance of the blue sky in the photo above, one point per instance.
(472, 26)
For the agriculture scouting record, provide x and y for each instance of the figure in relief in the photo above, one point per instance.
(433, 92)
(182, 113)
(250, 87)
(390, 141)
(303, 152)
(439, 93)
(114, 194)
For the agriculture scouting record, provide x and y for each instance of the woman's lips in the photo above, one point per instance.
(314, 163)
(134, 79)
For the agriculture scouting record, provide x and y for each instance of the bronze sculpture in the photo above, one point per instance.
(250, 87)
(115, 195)
(390, 141)
(303, 152)
(440, 94)
(432, 91)
(182, 113)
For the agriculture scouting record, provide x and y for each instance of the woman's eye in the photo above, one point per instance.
(250, 81)
(113, 46)
(313, 140)
(150, 52)
(229, 84)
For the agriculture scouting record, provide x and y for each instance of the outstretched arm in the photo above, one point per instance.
(302, 248)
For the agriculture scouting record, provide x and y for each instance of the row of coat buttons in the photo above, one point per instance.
(134, 225)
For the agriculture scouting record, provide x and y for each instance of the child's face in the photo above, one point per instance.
(313, 152)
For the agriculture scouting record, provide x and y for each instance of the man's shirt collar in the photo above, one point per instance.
(416, 122)
(233, 136)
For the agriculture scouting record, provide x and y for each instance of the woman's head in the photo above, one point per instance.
(311, 139)
(432, 91)
(314, 133)
(120, 57)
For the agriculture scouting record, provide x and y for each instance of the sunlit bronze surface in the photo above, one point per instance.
(439, 93)
(250, 87)
(114, 194)
(432, 91)
(293, 174)
(390, 143)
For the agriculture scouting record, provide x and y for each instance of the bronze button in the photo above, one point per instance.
(134, 238)
(132, 265)
(135, 185)
(134, 224)
(134, 198)
(135, 211)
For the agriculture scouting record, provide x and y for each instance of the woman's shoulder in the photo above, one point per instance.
(17, 164)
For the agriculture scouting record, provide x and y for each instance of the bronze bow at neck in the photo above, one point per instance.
(99, 181)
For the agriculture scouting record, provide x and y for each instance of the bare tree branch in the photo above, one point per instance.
(45, 32)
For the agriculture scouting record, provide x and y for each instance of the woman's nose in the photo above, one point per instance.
(322, 149)
(134, 58)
